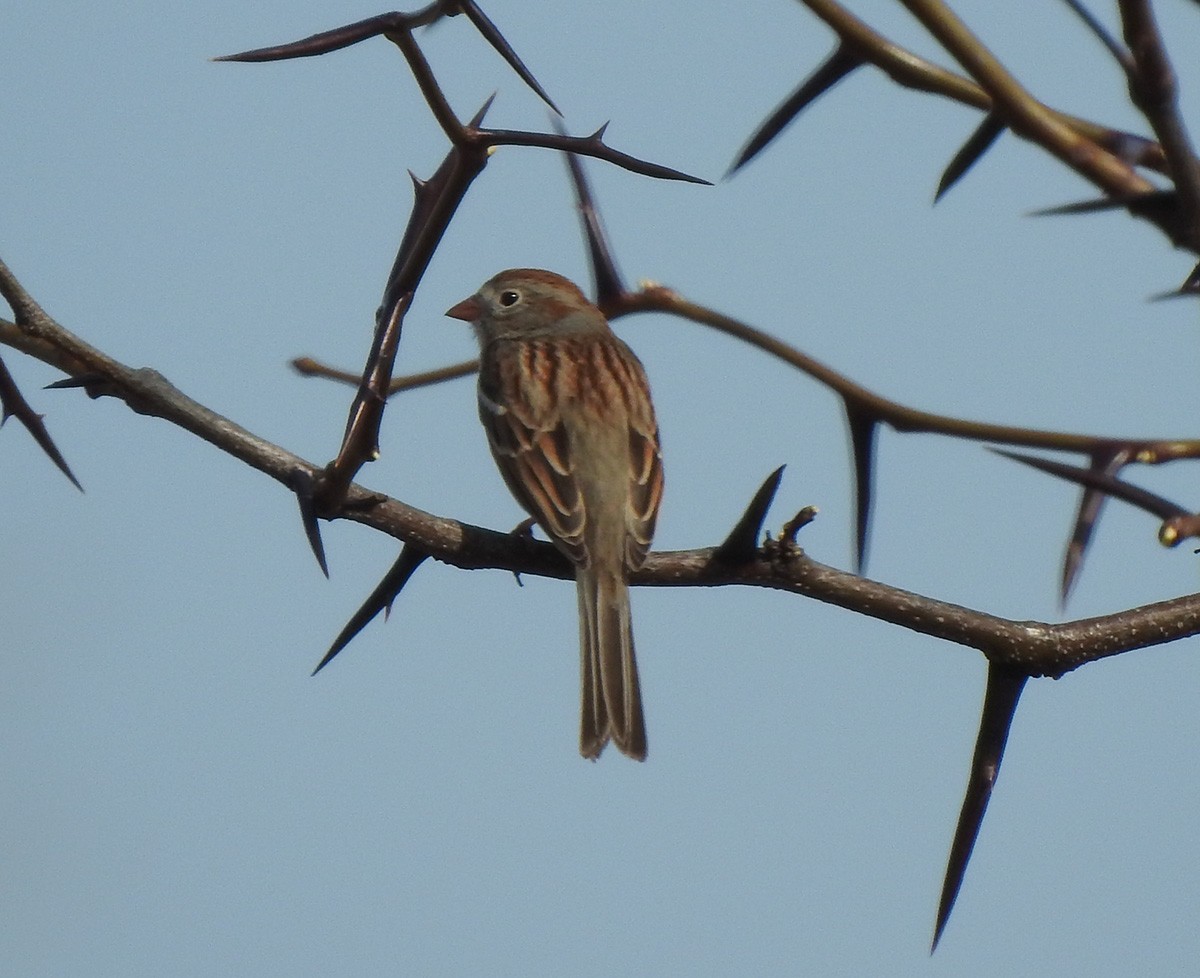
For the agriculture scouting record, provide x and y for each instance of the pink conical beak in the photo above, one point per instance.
(468, 310)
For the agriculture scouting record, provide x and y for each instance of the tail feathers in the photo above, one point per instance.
(612, 699)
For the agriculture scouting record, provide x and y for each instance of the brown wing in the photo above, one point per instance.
(530, 445)
(645, 464)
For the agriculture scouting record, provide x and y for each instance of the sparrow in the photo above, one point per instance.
(567, 410)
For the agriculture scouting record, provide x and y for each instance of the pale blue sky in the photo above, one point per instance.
(180, 798)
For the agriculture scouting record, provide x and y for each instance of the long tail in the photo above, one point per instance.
(612, 699)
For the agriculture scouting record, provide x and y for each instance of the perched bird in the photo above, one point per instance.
(567, 410)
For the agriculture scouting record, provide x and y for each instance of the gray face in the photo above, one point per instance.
(526, 303)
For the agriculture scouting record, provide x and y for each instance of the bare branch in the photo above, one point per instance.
(912, 71)
(1023, 113)
(308, 367)
(327, 42)
(1032, 648)
(393, 25)
(1153, 89)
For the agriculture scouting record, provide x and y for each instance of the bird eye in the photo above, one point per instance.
(509, 297)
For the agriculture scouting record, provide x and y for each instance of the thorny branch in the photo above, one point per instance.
(1152, 88)
(1036, 648)
(874, 409)
(436, 201)
(1101, 154)
(1015, 650)
(1024, 114)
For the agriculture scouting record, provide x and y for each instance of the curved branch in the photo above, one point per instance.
(912, 71)
(308, 367)
(901, 417)
(1024, 114)
(659, 298)
(1034, 648)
